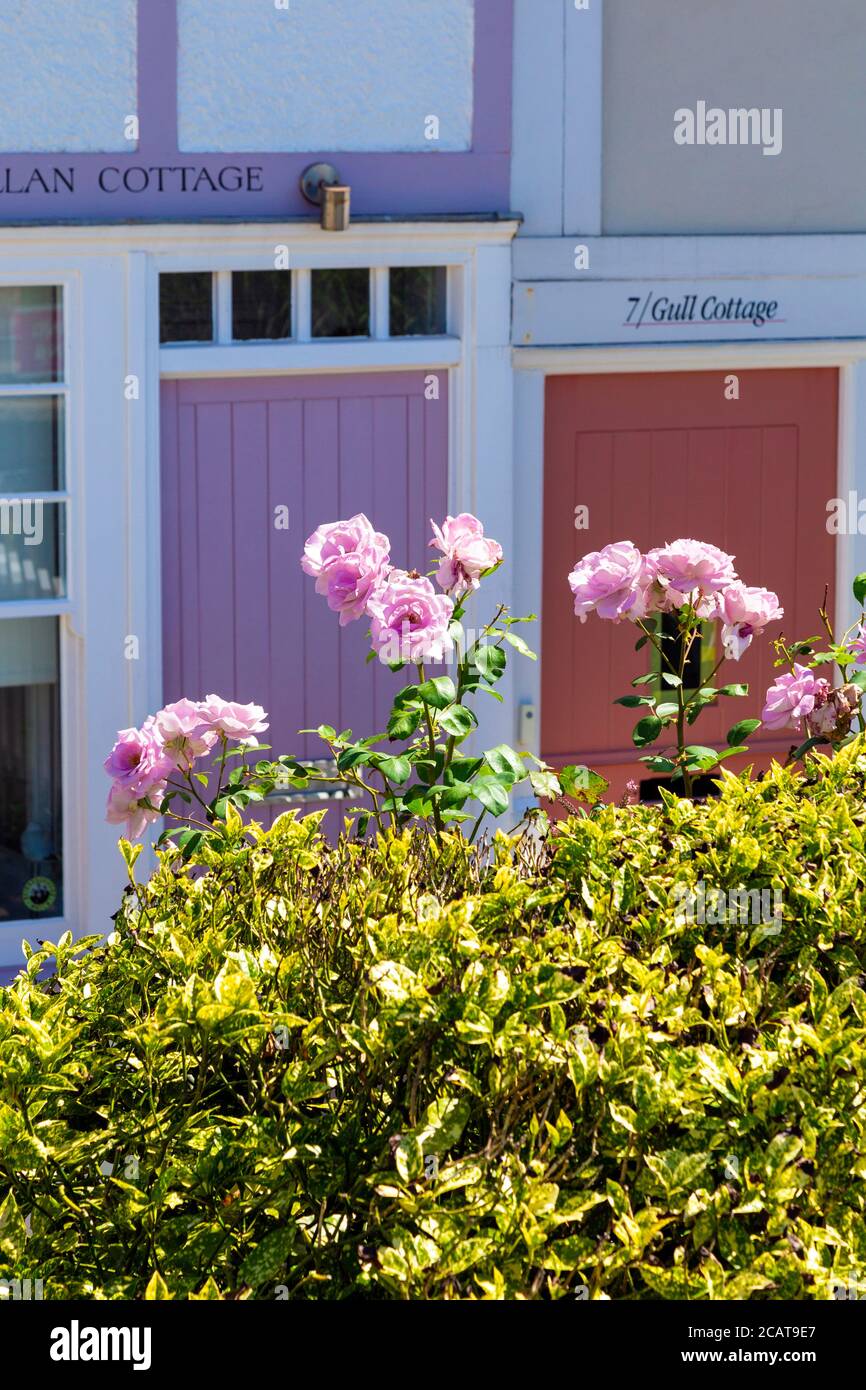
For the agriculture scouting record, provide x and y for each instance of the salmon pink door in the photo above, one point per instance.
(249, 469)
(658, 456)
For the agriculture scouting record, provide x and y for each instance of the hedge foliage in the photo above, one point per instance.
(389, 1070)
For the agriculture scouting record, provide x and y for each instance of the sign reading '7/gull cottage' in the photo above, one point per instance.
(552, 313)
(654, 308)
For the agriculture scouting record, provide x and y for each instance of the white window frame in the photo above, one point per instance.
(300, 328)
(51, 925)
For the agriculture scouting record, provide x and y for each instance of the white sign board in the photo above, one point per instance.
(557, 313)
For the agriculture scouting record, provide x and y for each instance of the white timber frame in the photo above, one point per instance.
(557, 188)
(110, 280)
(534, 365)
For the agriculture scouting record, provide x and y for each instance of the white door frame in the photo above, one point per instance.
(110, 277)
(534, 365)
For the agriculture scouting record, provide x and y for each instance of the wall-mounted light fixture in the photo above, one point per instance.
(320, 184)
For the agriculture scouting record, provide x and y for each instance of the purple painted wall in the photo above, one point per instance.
(161, 183)
(240, 619)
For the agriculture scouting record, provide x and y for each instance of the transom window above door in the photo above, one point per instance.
(284, 305)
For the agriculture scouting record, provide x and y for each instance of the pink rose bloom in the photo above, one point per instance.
(124, 806)
(235, 721)
(184, 738)
(792, 698)
(466, 553)
(610, 582)
(347, 559)
(687, 568)
(744, 613)
(410, 620)
(137, 758)
(858, 646)
(140, 766)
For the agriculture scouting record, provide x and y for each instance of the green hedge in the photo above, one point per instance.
(390, 1071)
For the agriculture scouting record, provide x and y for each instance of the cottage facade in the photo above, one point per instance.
(549, 308)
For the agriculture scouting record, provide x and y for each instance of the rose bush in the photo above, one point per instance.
(415, 624)
(412, 624)
(695, 583)
(808, 703)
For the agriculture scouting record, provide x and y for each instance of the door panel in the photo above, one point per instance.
(659, 456)
(239, 616)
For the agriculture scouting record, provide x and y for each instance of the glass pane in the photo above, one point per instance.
(341, 303)
(186, 308)
(419, 300)
(30, 337)
(32, 550)
(30, 808)
(261, 304)
(31, 444)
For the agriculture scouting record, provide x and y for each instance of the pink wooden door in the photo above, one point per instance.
(664, 455)
(239, 616)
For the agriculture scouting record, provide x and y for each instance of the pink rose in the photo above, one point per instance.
(184, 738)
(610, 583)
(140, 766)
(744, 613)
(124, 805)
(466, 553)
(793, 697)
(410, 620)
(688, 570)
(137, 759)
(858, 646)
(348, 559)
(235, 721)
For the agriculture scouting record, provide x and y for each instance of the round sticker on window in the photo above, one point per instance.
(39, 894)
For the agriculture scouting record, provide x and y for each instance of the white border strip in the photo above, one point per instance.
(690, 357)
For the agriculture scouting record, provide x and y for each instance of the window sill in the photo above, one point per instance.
(325, 354)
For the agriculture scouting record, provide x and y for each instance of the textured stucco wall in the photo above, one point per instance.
(324, 74)
(67, 74)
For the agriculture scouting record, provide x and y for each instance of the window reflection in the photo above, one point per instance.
(30, 806)
(30, 334)
(186, 307)
(341, 303)
(261, 304)
(418, 300)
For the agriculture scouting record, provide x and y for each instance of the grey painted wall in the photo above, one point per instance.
(805, 57)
